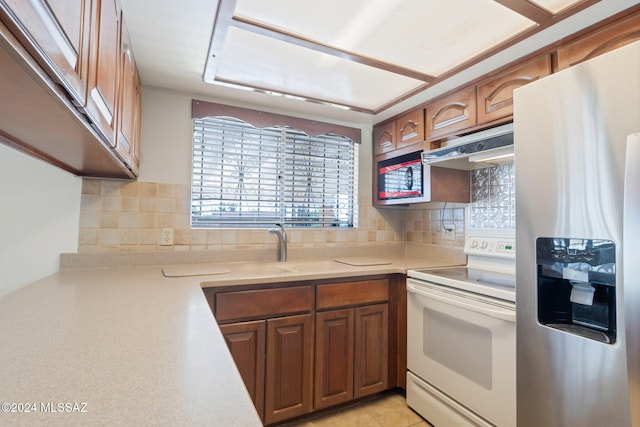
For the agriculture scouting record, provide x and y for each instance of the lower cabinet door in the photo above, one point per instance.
(289, 374)
(334, 357)
(371, 349)
(246, 342)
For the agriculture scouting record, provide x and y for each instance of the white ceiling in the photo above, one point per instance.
(369, 55)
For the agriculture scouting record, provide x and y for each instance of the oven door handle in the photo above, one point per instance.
(503, 314)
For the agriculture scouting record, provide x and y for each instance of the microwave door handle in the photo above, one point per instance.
(503, 314)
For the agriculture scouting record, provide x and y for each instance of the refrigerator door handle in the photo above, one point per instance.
(631, 272)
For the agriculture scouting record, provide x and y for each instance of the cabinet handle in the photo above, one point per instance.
(503, 314)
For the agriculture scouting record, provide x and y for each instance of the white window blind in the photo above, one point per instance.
(245, 176)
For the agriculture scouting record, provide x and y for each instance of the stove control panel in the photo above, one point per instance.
(500, 247)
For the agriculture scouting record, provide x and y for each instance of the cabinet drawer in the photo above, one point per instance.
(260, 303)
(352, 293)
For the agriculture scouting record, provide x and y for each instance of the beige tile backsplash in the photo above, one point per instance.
(118, 216)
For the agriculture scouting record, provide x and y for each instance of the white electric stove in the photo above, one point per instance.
(461, 327)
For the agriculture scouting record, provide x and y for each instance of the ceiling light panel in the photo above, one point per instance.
(555, 6)
(262, 62)
(416, 34)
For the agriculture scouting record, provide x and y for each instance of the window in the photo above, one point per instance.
(245, 176)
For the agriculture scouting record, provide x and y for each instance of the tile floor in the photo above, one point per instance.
(389, 411)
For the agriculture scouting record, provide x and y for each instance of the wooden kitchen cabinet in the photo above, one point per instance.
(260, 303)
(275, 359)
(352, 343)
(129, 98)
(103, 69)
(371, 349)
(495, 95)
(307, 346)
(247, 345)
(410, 128)
(400, 133)
(56, 33)
(289, 373)
(451, 114)
(72, 59)
(271, 344)
(384, 137)
(335, 335)
(601, 41)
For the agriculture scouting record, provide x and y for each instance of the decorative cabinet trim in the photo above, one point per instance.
(495, 96)
(456, 111)
(384, 138)
(452, 113)
(410, 128)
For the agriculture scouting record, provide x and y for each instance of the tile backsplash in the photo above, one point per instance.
(493, 197)
(119, 216)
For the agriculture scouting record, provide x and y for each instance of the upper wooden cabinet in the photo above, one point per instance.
(495, 95)
(129, 98)
(384, 138)
(601, 41)
(452, 114)
(56, 33)
(74, 60)
(103, 69)
(410, 128)
(399, 133)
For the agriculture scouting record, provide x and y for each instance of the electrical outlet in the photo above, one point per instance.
(166, 237)
(449, 233)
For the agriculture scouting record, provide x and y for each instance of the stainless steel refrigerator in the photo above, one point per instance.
(577, 167)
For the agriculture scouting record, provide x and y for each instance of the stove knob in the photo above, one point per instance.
(474, 244)
(484, 245)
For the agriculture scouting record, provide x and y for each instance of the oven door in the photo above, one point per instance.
(463, 345)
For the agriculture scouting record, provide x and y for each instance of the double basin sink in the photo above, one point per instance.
(253, 269)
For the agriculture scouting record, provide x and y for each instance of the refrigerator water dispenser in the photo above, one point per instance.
(576, 286)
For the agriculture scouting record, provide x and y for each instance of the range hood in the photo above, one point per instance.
(474, 151)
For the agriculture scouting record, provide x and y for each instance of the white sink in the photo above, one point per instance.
(289, 267)
(266, 268)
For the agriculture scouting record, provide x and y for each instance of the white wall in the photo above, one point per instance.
(166, 138)
(39, 218)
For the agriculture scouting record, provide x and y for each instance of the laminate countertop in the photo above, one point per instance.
(130, 346)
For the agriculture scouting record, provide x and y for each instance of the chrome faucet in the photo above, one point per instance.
(282, 241)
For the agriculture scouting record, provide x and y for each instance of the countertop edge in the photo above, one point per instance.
(103, 335)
